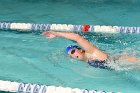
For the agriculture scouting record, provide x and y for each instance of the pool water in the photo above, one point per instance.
(30, 57)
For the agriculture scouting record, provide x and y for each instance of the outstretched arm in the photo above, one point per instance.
(85, 44)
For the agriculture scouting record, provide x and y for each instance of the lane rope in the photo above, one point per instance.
(28, 27)
(9, 86)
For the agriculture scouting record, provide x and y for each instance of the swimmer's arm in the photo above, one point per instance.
(85, 44)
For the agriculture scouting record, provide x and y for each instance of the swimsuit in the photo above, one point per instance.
(94, 62)
(101, 64)
(98, 64)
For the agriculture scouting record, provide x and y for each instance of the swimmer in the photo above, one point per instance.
(87, 52)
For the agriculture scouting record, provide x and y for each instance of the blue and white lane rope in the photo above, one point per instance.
(9, 86)
(27, 27)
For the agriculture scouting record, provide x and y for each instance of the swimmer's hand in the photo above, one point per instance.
(49, 34)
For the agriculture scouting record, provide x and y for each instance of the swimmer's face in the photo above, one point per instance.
(77, 53)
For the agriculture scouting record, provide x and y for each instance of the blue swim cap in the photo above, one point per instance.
(71, 47)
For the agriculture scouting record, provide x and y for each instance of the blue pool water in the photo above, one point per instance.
(30, 57)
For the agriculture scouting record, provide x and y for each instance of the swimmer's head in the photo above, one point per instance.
(75, 52)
